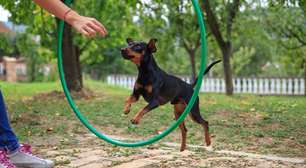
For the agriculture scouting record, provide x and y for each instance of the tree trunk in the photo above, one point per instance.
(227, 52)
(224, 45)
(193, 66)
(79, 69)
(32, 71)
(71, 61)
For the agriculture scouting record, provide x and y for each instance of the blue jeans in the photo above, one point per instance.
(8, 140)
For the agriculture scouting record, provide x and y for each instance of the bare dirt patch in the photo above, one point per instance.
(91, 152)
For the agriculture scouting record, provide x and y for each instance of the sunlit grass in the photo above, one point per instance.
(242, 122)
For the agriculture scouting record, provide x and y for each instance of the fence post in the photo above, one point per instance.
(208, 85)
(278, 86)
(238, 85)
(261, 86)
(212, 84)
(218, 85)
(296, 86)
(266, 84)
(284, 86)
(244, 85)
(108, 79)
(255, 84)
(130, 82)
(272, 86)
(302, 87)
(290, 86)
(250, 85)
(202, 89)
(222, 86)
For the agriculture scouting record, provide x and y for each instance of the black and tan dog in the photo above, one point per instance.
(158, 88)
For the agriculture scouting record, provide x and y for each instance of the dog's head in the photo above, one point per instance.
(139, 52)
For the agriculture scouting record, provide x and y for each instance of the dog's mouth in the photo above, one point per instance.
(126, 55)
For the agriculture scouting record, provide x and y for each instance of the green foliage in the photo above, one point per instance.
(29, 47)
(7, 45)
(288, 25)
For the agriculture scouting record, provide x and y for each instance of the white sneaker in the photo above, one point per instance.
(24, 158)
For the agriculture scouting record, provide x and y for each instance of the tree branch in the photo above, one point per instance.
(198, 44)
(291, 34)
(233, 9)
(189, 49)
(297, 37)
(213, 23)
(290, 47)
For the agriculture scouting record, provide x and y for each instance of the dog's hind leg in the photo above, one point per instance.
(178, 110)
(196, 117)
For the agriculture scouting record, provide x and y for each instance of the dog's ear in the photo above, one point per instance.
(129, 40)
(152, 45)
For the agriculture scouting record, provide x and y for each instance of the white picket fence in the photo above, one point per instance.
(261, 86)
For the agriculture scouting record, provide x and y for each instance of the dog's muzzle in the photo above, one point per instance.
(125, 54)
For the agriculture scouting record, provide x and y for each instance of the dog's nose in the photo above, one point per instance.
(123, 51)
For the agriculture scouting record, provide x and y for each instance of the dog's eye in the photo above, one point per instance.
(137, 48)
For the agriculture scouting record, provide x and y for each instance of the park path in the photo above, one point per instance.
(91, 153)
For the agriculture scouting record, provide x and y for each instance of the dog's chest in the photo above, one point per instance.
(144, 88)
(147, 93)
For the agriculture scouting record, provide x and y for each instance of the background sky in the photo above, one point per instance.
(4, 14)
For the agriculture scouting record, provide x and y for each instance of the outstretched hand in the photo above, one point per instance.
(87, 26)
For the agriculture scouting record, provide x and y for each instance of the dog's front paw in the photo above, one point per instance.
(126, 110)
(134, 121)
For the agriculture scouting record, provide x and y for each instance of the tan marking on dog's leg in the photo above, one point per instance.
(178, 110)
(207, 136)
(128, 103)
(206, 130)
(139, 115)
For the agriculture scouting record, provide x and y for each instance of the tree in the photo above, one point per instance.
(175, 25)
(27, 13)
(39, 22)
(8, 45)
(287, 23)
(224, 40)
(71, 60)
(30, 48)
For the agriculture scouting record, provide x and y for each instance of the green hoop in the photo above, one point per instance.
(173, 125)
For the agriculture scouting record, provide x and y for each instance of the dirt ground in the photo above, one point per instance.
(89, 152)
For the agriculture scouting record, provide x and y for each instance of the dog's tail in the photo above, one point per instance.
(206, 71)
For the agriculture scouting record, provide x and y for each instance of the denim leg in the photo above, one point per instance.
(8, 139)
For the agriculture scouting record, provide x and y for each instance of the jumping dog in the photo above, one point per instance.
(158, 88)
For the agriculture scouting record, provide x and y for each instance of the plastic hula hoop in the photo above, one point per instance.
(173, 126)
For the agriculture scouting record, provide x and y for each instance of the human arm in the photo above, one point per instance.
(85, 25)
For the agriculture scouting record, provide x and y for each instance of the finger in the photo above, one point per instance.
(84, 32)
(90, 31)
(97, 29)
(101, 26)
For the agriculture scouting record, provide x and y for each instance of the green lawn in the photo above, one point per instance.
(261, 124)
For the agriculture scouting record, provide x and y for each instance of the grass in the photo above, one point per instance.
(261, 124)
